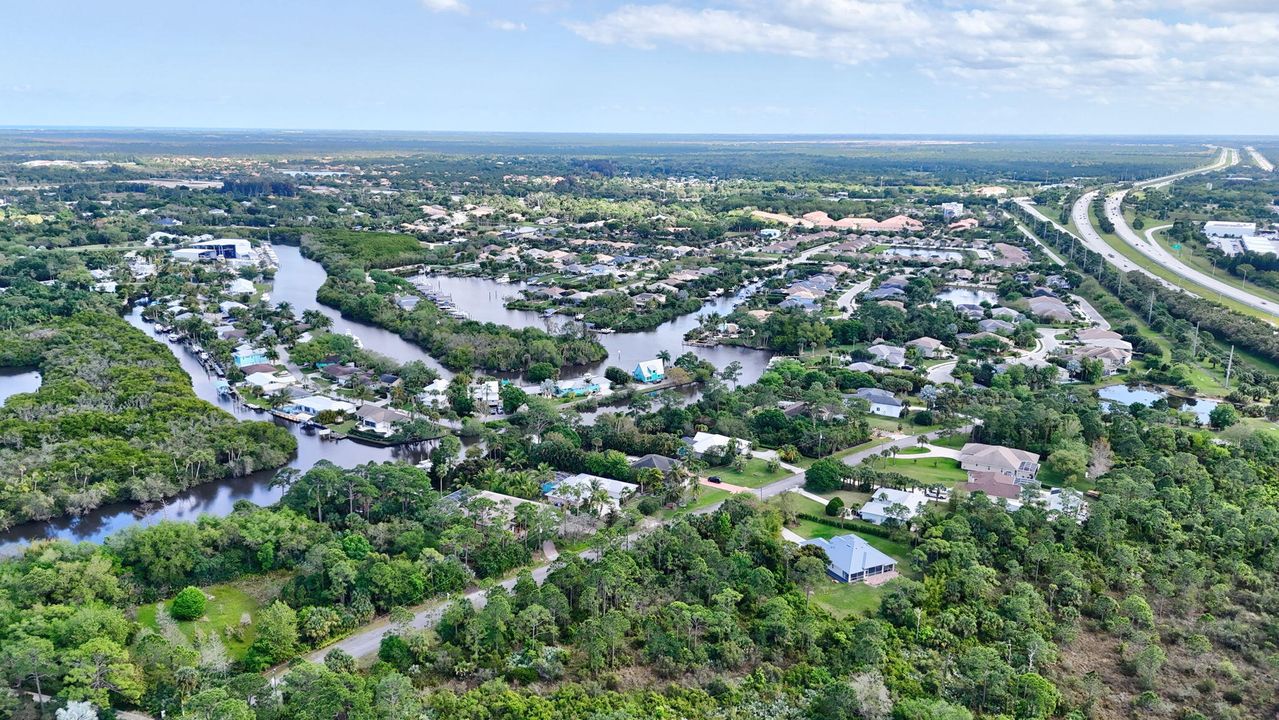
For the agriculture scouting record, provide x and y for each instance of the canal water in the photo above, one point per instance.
(296, 282)
(17, 380)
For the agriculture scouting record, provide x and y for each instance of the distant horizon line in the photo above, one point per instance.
(621, 133)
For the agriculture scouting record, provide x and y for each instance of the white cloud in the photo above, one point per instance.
(1094, 48)
(507, 25)
(445, 5)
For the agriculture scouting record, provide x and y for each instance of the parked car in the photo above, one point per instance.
(715, 479)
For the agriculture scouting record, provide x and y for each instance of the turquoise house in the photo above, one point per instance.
(650, 371)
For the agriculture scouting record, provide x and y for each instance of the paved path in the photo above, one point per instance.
(942, 373)
(858, 458)
(934, 451)
(792, 536)
(847, 302)
(1095, 317)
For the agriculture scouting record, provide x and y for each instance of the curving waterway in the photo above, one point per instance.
(296, 282)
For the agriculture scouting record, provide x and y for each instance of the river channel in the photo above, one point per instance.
(296, 282)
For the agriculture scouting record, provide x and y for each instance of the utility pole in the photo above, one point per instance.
(1150, 311)
(1194, 344)
(1230, 365)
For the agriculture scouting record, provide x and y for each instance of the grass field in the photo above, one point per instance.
(955, 442)
(926, 470)
(755, 474)
(847, 599)
(227, 604)
(708, 497)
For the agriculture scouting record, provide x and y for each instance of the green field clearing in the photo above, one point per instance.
(226, 604)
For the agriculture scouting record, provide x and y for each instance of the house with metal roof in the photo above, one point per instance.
(852, 559)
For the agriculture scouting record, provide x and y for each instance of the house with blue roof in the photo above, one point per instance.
(650, 371)
(852, 559)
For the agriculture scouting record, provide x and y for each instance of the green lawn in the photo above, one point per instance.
(848, 599)
(755, 475)
(708, 497)
(955, 442)
(913, 450)
(926, 470)
(227, 603)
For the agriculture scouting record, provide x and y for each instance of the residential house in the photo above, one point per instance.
(380, 420)
(704, 441)
(577, 490)
(650, 371)
(1021, 465)
(888, 355)
(892, 504)
(1050, 309)
(852, 559)
(929, 347)
(315, 404)
(248, 355)
(882, 402)
(993, 325)
(494, 509)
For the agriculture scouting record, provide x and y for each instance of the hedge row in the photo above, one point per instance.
(858, 525)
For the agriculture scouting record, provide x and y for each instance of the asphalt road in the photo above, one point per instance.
(1156, 252)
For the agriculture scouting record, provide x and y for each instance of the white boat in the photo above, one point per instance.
(358, 343)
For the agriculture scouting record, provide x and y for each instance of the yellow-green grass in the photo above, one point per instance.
(227, 603)
(707, 497)
(850, 599)
(955, 441)
(754, 475)
(940, 470)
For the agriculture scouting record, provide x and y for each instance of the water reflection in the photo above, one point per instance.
(17, 380)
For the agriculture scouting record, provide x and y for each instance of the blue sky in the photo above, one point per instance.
(787, 66)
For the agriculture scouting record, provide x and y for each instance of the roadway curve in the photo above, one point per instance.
(1115, 213)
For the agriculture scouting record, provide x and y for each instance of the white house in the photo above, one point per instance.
(380, 420)
(882, 402)
(891, 504)
(889, 355)
(270, 383)
(316, 404)
(704, 441)
(576, 490)
(852, 559)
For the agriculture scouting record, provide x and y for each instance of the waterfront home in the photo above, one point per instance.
(852, 559)
(315, 404)
(270, 382)
(650, 371)
(651, 461)
(248, 355)
(380, 420)
(580, 387)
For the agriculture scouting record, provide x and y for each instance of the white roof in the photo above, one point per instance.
(262, 379)
(614, 488)
(884, 498)
(704, 441)
(652, 366)
(320, 403)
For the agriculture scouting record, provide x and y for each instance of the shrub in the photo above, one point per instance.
(537, 372)
(616, 375)
(188, 605)
(835, 507)
(648, 506)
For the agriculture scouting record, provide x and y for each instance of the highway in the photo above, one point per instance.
(1260, 160)
(1156, 252)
